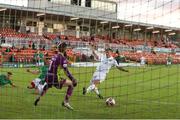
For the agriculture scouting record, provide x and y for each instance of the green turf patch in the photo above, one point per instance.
(144, 92)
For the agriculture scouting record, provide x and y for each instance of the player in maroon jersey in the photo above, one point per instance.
(59, 60)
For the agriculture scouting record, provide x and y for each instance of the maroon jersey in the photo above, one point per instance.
(56, 61)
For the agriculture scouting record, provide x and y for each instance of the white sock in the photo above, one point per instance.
(96, 90)
(90, 88)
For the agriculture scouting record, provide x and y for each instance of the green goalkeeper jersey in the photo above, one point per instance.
(4, 80)
(43, 72)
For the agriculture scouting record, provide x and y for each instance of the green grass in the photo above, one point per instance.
(150, 92)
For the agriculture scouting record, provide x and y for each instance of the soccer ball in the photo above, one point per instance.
(110, 101)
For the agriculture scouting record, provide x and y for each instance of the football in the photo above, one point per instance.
(110, 101)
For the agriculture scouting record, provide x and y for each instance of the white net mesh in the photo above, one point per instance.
(142, 37)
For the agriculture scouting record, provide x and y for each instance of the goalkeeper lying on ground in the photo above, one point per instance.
(6, 79)
(39, 82)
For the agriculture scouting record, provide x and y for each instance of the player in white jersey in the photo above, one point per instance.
(142, 60)
(106, 62)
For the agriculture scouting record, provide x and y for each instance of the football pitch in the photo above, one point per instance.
(144, 92)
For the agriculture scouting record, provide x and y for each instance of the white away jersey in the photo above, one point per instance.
(106, 64)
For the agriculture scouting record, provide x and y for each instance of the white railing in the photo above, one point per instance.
(38, 41)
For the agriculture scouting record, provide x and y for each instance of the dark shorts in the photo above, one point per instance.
(52, 80)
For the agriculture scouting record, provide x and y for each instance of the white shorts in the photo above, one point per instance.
(168, 63)
(40, 64)
(40, 88)
(142, 62)
(36, 82)
(99, 76)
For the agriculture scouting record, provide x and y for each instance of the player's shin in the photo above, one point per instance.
(45, 88)
(65, 103)
(68, 93)
(37, 100)
(91, 88)
(96, 90)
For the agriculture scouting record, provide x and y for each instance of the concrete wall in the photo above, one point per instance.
(98, 9)
(105, 6)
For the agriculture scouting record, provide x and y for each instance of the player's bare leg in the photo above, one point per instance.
(69, 84)
(45, 88)
(93, 87)
(96, 90)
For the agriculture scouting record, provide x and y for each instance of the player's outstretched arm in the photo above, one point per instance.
(33, 71)
(93, 52)
(68, 74)
(95, 55)
(119, 67)
(13, 85)
(122, 69)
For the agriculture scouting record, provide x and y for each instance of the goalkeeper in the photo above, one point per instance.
(39, 82)
(6, 79)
